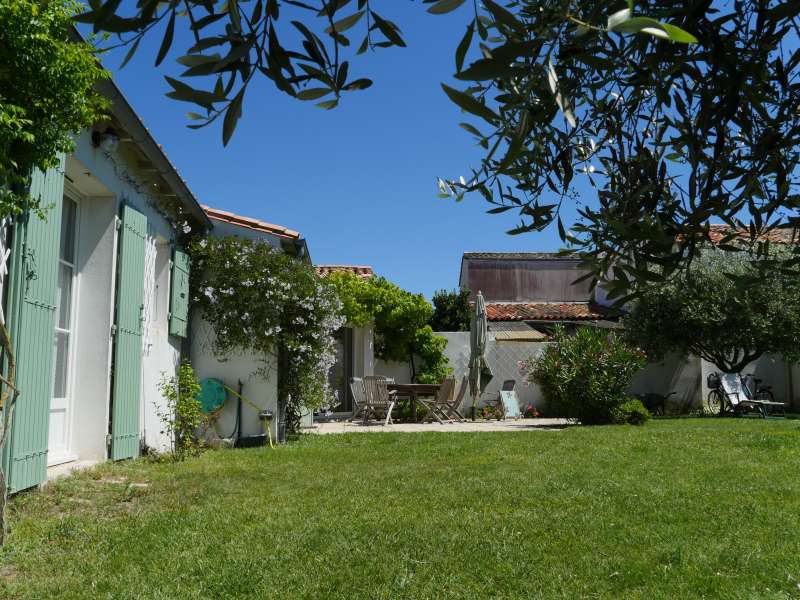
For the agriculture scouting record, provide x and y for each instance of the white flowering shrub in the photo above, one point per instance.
(261, 301)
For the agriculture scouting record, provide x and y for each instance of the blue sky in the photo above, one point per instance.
(359, 182)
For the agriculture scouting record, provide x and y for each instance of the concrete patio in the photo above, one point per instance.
(465, 427)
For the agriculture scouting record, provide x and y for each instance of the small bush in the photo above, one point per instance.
(182, 415)
(531, 412)
(402, 412)
(585, 376)
(489, 412)
(632, 412)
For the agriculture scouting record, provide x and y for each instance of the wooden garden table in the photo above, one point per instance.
(413, 391)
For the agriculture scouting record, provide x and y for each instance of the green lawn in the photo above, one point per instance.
(676, 509)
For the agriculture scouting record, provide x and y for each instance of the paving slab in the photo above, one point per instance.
(464, 427)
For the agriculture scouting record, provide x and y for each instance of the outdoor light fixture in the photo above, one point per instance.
(108, 140)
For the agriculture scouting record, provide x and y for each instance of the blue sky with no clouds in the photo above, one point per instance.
(359, 182)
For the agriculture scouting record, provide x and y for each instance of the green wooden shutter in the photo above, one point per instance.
(31, 319)
(179, 297)
(128, 336)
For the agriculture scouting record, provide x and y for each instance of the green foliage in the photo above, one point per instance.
(451, 310)
(402, 412)
(230, 45)
(399, 319)
(430, 349)
(262, 301)
(730, 309)
(489, 412)
(555, 93)
(585, 376)
(46, 92)
(670, 133)
(632, 412)
(183, 414)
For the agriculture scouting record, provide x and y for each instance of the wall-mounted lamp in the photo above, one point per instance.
(108, 140)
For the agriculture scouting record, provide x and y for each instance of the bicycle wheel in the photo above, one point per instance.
(715, 404)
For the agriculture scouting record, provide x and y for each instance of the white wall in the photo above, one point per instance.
(103, 180)
(502, 357)
(686, 376)
(222, 229)
(771, 368)
(363, 352)
(673, 374)
(399, 371)
(261, 391)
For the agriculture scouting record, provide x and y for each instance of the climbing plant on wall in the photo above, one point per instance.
(261, 301)
(400, 319)
(47, 92)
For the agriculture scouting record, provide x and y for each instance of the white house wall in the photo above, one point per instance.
(363, 352)
(223, 229)
(261, 391)
(682, 375)
(102, 181)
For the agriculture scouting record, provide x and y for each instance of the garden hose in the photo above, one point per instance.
(252, 405)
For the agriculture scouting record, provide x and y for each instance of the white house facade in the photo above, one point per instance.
(96, 300)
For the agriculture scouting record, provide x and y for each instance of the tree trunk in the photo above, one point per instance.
(283, 399)
(7, 399)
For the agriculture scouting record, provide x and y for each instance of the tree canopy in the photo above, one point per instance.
(46, 92)
(400, 321)
(451, 310)
(676, 111)
(730, 309)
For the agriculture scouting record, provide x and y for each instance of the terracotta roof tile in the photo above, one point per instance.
(778, 235)
(361, 271)
(544, 311)
(228, 217)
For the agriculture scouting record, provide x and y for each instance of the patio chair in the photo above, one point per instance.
(438, 406)
(378, 400)
(359, 398)
(509, 386)
(450, 408)
(737, 398)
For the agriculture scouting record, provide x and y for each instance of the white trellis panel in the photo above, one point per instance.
(149, 311)
(5, 252)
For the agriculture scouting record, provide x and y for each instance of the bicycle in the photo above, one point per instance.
(728, 396)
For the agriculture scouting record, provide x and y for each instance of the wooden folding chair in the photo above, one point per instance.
(359, 398)
(378, 400)
(450, 408)
(437, 407)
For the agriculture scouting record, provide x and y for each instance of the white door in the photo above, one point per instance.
(60, 416)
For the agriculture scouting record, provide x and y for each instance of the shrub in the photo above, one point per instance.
(183, 414)
(489, 412)
(400, 321)
(585, 376)
(402, 412)
(531, 412)
(632, 412)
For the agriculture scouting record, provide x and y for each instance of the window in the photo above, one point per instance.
(66, 276)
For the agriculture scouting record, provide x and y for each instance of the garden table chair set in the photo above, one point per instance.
(375, 396)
